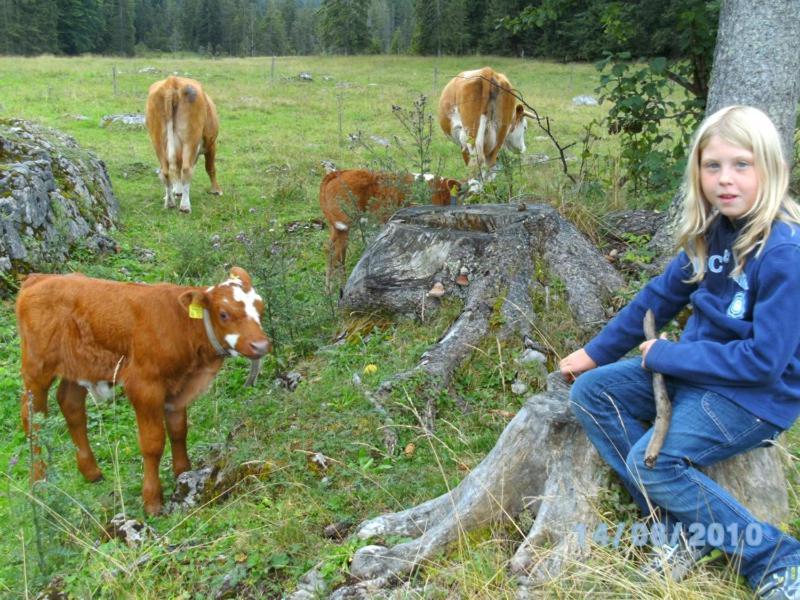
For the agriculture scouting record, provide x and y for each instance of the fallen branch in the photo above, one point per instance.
(663, 405)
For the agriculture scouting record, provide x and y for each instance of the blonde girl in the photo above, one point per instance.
(734, 374)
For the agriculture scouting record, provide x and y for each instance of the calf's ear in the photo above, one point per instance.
(194, 298)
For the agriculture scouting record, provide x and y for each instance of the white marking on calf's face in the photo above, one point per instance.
(231, 339)
(249, 300)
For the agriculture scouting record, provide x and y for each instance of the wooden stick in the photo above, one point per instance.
(663, 405)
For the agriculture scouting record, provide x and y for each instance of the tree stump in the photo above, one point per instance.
(480, 254)
(494, 245)
(542, 463)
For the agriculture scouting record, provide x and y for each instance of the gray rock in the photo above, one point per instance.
(381, 141)
(54, 199)
(532, 356)
(584, 100)
(133, 120)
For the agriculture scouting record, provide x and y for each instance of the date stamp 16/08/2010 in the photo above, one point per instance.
(695, 535)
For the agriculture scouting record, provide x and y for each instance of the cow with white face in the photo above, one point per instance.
(479, 111)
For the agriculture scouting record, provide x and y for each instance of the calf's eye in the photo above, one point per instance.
(223, 316)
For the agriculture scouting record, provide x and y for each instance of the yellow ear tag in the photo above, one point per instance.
(195, 311)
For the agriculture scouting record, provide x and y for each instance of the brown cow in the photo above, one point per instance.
(479, 111)
(379, 192)
(182, 121)
(163, 343)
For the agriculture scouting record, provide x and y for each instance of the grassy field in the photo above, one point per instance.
(267, 531)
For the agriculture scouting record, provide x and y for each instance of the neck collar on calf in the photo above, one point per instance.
(212, 337)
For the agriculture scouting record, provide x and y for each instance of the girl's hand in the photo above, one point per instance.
(644, 347)
(576, 363)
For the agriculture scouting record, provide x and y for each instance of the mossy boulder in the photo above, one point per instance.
(55, 199)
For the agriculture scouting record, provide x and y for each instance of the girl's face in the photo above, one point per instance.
(728, 177)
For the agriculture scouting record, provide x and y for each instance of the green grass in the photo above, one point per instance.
(268, 530)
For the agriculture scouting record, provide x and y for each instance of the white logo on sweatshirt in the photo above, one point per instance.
(738, 305)
(716, 262)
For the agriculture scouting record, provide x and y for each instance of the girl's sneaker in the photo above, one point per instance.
(781, 585)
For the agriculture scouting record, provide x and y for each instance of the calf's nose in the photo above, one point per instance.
(260, 348)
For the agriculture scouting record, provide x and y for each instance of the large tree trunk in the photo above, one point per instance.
(756, 62)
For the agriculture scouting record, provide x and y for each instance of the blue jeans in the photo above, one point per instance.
(615, 402)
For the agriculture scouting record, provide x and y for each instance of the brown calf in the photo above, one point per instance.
(163, 343)
(361, 190)
(182, 121)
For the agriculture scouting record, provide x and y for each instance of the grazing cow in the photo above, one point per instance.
(479, 111)
(182, 121)
(379, 192)
(163, 343)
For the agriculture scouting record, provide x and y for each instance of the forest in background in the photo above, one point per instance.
(568, 30)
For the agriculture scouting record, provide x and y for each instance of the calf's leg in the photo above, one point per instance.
(163, 175)
(177, 427)
(337, 248)
(148, 402)
(72, 400)
(210, 154)
(188, 159)
(34, 398)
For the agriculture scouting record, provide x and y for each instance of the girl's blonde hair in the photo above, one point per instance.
(751, 129)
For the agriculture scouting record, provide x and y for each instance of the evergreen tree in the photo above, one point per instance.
(208, 26)
(119, 28)
(427, 33)
(404, 23)
(303, 35)
(152, 24)
(273, 39)
(344, 25)
(79, 22)
(32, 26)
(380, 21)
(455, 37)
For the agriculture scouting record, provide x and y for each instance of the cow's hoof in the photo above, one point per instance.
(153, 508)
(216, 192)
(93, 477)
(91, 472)
(186, 209)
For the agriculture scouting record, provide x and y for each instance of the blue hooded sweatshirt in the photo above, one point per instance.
(743, 337)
